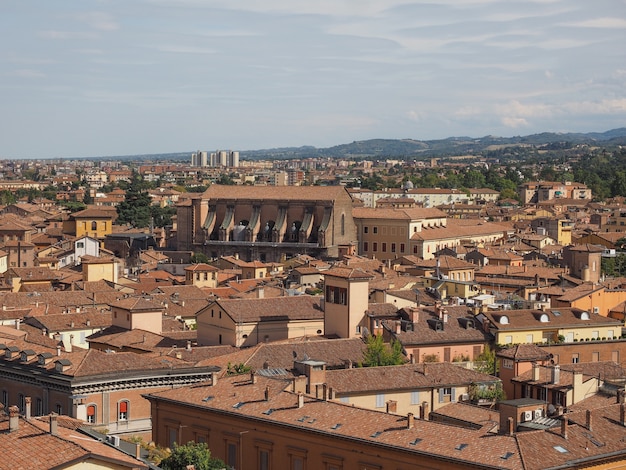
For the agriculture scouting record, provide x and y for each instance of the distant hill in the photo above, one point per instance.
(416, 149)
(409, 148)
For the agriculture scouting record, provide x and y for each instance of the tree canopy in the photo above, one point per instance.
(196, 454)
(378, 353)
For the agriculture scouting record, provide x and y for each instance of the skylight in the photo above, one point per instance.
(416, 441)
(238, 404)
(336, 426)
(209, 398)
(562, 450)
(461, 446)
(376, 434)
(507, 455)
(268, 412)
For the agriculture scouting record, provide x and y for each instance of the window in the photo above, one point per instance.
(508, 339)
(374, 246)
(446, 394)
(575, 358)
(39, 407)
(343, 224)
(365, 246)
(264, 459)
(401, 247)
(91, 414)
(21, 402)
(5, 399)
(365, 229)
(384, 247)
(595, 356)
(375, 230)
(415, 398)
(231, 454)
(80, 245)
(297, 463)
(94, 225)
(393, 247)
(541, 394)
(380, 400)
(123, 411)
(59, 409)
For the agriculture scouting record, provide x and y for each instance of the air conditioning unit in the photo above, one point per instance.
(465, 397)
(115, 440)
(528, 415)
(538, 413)
(596, 309)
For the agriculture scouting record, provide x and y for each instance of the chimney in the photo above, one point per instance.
(622, 414)
(410, 421)
(252, 377)
(58, 350)
(300, 400)
(589, 420)
(267, 393)
(27, 402)
(392, 406)
(260, 293)
(88, 322)
(556, 374)
(53, 424)
(188, 345)
(348, 363)
(213, 379)
(424, 411)
(536, 372)
(14, 418)
(398, 327)
(17, 324)
(138, 451)
(510, 426)
(564, 427)
(620, 396)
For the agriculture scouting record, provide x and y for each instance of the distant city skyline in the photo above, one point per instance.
(93, 78)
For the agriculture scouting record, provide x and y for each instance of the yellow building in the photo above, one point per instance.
(100, 268)
(550, 326)
(201, 275)
(93, 222)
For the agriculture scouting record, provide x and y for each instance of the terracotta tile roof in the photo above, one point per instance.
(289, 193)
(408, 213)
(456, 330)
(299, 307)
(459, 228)
(471, 414)
(564, 317)
(524, 353)
(378, 428)
(348, 273)
(404, 377)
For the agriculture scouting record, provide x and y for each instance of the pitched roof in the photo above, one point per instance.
(299, 307)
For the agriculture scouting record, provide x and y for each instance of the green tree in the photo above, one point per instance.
(196, 454)
(135, 209)
(486, 361)
(377, 353)
(199, 258)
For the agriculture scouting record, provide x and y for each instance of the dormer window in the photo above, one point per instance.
(544, 318)
(504, 320)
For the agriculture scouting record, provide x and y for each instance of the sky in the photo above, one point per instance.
(88, 78)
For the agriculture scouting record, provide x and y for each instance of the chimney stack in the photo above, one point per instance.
(410, 421)
(252, 377)
(510, 426)
(589, 420)
(58, 350)
(138, 451)
(213, 379)
(392, 406)
(424, 411)
(300, 400)
(536, 372)
(556, 374)
(564, 424)
(27, 402)
(14, 418)
(267, 393)
(188, 345)
(53, 424)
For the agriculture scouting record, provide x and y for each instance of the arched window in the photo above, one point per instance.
(343, 224)
(91, 414)
(122, 414)
(94, 225)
